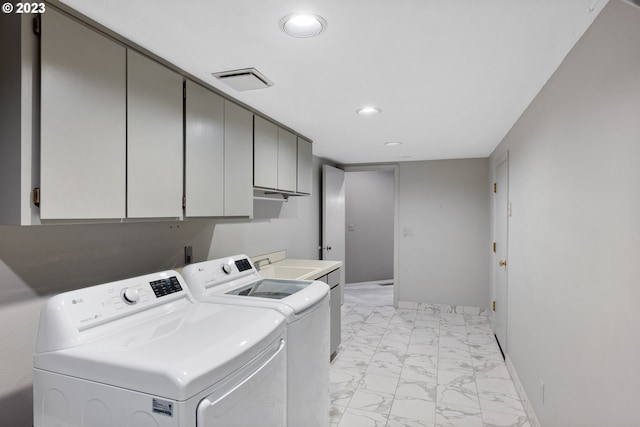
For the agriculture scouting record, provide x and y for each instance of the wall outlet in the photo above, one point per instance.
(188, 255)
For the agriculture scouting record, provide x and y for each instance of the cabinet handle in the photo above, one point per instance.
(36, 196)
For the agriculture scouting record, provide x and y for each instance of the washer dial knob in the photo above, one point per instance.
(226, 268)
(130, 295)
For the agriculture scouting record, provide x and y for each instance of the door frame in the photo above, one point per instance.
(503, 159)
(396, 170)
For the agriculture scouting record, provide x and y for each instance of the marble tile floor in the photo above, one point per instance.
(402, 367)
(368, 293)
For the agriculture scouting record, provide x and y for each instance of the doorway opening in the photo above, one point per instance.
(365, 236)
(369, 213)
(370, 196)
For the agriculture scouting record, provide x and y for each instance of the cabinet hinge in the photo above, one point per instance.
(184, 202)
(495, 187)
(494, 246)
(184, 91)
(36, 25)
(36, 196)
(494, 306)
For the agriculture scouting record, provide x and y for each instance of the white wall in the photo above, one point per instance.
(574, 237)
(370, 208)
(443, 231)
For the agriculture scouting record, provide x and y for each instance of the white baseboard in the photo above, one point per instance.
(444, 308)
(528, 408)
(376, 282)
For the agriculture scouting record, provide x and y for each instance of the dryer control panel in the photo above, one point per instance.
(110, 301)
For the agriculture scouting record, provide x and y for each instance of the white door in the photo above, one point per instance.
(501, 263)
(333, 216)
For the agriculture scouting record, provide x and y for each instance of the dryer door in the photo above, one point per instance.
(255, 395)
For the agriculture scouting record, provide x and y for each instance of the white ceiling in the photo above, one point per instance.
(451, 76)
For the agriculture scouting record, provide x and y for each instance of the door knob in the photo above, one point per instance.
(502, 263)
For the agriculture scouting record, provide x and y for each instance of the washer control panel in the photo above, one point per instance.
(102, 303)
(218, 276)
(243, 264)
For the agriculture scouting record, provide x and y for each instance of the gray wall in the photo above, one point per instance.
(370, 208)
(444, 232)
(574, 234)
(39, 261)
(294, 226)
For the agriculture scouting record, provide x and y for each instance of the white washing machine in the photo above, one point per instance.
(140, 353)
(305, 304)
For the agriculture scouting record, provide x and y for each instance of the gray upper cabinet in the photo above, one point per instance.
(287, 161)
(19, 126)
(204, 152)
(154, 139)
(282, 160)
(265, 151)
(238, 160)
(111, 128)
(83, 122)
(305, 166)
(123, 136)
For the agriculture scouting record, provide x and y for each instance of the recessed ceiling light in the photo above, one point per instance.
(303, 24)
(368, 111)
(393, 144)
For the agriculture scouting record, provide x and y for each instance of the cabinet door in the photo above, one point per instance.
(335, 332)
(83, 122)
(333, 278)
(287, 160)
(154, 139)
(238, 160)
(305, 166)
(204, 145)
(265, 153)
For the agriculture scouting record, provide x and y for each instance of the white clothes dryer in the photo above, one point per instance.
(304, 303)
(140, 353)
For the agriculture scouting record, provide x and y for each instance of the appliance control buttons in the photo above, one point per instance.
(130, 295)
(226, 268)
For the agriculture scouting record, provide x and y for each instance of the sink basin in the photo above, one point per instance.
(283, 272)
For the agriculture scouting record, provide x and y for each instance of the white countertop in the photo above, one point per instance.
(290, 268)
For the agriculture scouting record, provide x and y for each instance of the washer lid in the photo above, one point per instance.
(174, 356)
(300, 295)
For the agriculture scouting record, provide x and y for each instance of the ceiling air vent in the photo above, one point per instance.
(245, 79)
